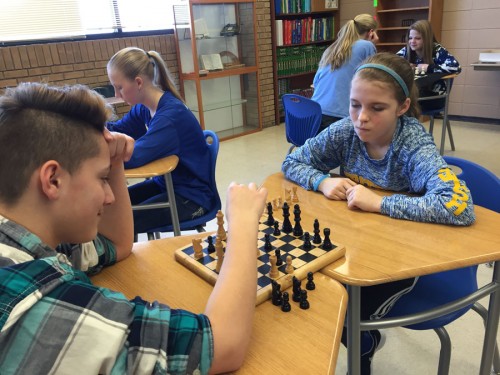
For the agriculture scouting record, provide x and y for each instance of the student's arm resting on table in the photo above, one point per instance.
(231, 305)
(159, 141)
(310, 164)
(132, 123)
(446, 199)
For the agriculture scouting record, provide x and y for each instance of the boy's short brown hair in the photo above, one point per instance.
(38, 123)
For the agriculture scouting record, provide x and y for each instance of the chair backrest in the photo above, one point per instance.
(302, 118)
(483, 184)
(213, 146)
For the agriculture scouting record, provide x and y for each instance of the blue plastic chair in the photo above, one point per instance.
(435, 290)
(200, 222)
(302, 119)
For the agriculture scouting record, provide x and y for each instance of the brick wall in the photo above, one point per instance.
(85, 61)
(76, 62)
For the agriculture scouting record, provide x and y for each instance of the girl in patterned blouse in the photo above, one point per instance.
(427, 56)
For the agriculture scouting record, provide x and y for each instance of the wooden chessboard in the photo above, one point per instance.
(303, 261)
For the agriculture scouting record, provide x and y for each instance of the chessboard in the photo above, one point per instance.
(303, 259)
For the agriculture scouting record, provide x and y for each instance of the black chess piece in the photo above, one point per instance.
(279, 261)
(277, 231)
(297, 229)
(267, 244)
(276, 296)
(270, 218)
(287, 225)
(316, 237)
(327, 243)
(285, 306)
(210, 247)
(310, 281)
(307, 241)
(304, 303)
(296, 289)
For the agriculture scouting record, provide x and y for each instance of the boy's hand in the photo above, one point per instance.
(336, 188)
(120, 146)
(245, 201)
(363, 198)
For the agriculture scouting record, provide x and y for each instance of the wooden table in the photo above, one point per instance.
(161, 167)
(301, 341)
(380, 249)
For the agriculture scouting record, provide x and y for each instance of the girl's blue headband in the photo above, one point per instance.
(394, 75)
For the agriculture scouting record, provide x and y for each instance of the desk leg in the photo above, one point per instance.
(353, 330)
(445, 116)
(490, 335)
(172, 203)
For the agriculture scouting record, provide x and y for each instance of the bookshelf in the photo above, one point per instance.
(395, 16)
(301, 31)
(219, 65)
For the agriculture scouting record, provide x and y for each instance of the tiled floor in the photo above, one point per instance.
(253, 157)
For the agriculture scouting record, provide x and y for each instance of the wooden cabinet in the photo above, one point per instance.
(395, 16)
(301, 31)
(219, 65)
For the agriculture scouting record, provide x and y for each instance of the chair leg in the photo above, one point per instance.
(431, 126)
(157, 235)
(135, 237)
(290, 149)
(200, 228)
(450, 134)
(151, 236)
(481, 310)
(445, 353)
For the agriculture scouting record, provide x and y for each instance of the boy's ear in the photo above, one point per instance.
(51, 174)
(403, 108)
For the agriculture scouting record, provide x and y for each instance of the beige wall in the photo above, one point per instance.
(469, 26)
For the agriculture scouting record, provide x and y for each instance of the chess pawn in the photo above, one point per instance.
(304, 303)
(316, 237)
(210, 247)
(307, 241)
(198, 250)
(277, 231)
(267, 242)
(289, 268)
(327, 243)
(310, 283)
(285, 306)
(279, 261)
(274, 272)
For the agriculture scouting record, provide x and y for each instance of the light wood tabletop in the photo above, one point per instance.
(300, 341)
(380, 249)
(158, 167)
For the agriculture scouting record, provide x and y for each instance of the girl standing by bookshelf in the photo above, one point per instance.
(332, 82)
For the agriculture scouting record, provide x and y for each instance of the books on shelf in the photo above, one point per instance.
(299, 59)
(304, 6)
(304, 30)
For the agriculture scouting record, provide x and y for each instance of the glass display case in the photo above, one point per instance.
(218, 64)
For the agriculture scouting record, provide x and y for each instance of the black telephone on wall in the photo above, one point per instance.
(230, 29)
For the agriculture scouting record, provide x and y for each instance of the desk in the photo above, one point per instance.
(380, 249)
(160, 167)
(486, 66)
(306, 341)
(448, 79)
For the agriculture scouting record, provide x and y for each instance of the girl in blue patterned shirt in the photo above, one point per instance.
(379, 146)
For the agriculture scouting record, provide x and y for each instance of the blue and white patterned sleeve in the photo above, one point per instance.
(309, 164)
(446, 199)
(402, 52)
(444, 61)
